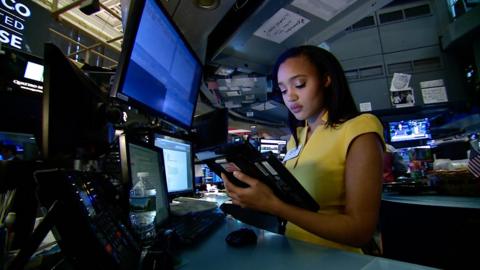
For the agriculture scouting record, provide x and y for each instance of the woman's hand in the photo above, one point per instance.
(257, 196)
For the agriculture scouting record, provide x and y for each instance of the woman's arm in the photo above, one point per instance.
(363, 184)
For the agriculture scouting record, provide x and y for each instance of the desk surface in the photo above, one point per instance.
(434, 200)
(277, 252)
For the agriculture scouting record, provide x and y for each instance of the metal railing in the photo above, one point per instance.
(88, 49)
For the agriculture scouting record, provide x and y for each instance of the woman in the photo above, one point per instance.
(334, 152)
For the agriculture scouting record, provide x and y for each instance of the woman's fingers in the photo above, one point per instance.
(244, 178)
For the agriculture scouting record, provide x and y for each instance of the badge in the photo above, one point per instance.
(292, 153)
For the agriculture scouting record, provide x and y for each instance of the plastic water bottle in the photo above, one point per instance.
(143, 207)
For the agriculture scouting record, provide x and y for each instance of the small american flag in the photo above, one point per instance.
(474, 163)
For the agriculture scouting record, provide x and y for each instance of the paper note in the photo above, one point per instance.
(400, 81)
(433, 83)
(434, 95)
(281, 26)
(366, 107)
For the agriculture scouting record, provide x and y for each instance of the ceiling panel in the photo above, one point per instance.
(105, 25)
(245, 48)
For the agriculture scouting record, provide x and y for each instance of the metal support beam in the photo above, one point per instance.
(84, 48)
(56, 12)
(107, 9)
(96, 45)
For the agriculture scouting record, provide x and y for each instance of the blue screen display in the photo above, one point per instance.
(407, 130)
(162, 72)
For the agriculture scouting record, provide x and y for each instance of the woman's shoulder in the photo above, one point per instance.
(364, 119)
(365, 122)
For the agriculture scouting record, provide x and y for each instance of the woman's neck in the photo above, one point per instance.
(314, 122)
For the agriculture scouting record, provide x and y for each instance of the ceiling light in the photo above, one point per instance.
(224, 71)
(233, 93)
(89, 7)
(324, 9)
(207, 4)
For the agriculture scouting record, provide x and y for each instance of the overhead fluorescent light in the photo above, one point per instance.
(238, 131)
(232, 105)
(224, 71)
(324, 9)
(250, 97)
(324, 45)
(264, 106)
(233, 93)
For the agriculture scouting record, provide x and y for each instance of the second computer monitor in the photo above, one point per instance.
(178, 160)
(144, 161)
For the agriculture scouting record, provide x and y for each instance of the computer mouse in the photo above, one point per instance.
(241, 237)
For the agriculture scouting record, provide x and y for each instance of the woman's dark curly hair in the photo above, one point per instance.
(338, 100)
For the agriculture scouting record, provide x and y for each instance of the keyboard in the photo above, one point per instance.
(189, 228)
(183, 206)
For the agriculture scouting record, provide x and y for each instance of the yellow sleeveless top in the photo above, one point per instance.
(320, 167)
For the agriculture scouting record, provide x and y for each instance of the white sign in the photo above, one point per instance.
(366, 107)
(13, 15)
(281, 26)
(434, 95)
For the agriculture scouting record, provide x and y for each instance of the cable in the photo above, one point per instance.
(176, 7)
(237, 7)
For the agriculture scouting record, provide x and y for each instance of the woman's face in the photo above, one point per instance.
(301, 88)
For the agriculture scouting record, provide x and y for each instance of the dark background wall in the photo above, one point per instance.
(27, 23)
(400, 38)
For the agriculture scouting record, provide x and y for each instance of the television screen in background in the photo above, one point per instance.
(34, 71)
(408, 130)
(20, 72)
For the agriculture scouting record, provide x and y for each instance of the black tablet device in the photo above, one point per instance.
(266, 167)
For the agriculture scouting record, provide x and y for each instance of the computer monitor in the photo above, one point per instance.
(33, 71)
(139, 159)
(21, 72)
(409, 130)
(272, 145)
(178, 160)
(158, 71)
(277, 147)
(20, 95)
(210, 129)
(73, 125)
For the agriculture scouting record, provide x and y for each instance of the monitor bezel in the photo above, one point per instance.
(213, 121)
(63, 130)
(133, 20)
(185, 192)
